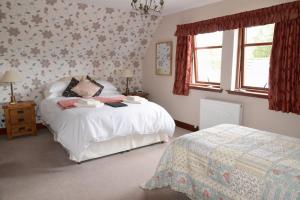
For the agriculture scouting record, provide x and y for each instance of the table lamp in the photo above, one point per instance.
(11, 77)
(128, 75)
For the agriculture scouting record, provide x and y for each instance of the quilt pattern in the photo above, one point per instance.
(231, 162)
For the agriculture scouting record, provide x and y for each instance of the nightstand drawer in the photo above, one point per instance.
(21, 116)
(23, 129)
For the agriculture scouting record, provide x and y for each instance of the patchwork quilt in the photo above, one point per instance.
(231, 162)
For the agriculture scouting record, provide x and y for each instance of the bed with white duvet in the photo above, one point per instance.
(88, 133)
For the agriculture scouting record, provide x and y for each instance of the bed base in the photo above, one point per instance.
(122, 152)
(119, 145)
(116, 145)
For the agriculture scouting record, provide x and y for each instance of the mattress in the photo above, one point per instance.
(78, 128)
(231, 162)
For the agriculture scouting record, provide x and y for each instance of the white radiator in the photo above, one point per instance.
(214, 112)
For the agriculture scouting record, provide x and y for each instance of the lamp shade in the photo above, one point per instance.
(127, 73)
(11, 76)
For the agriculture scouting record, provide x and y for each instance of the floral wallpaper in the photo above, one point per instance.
(48, 39)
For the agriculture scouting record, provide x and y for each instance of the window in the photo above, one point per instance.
(254, 50)
(207, 60)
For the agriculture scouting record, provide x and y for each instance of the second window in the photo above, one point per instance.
(255, 44)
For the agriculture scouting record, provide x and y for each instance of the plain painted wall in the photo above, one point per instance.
(186, 109)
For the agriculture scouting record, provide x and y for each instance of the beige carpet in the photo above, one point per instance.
(37, 168)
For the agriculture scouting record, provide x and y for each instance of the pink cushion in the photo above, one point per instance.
(85, 88)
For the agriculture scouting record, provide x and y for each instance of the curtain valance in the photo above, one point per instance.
(273, 14)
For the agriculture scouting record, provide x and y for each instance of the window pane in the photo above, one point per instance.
(256, 66)
(259, 34)
(209, 39)
(209, 65)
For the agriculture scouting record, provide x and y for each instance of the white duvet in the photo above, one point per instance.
(77, 128)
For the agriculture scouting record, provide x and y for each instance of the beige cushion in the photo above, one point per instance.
(85, 88)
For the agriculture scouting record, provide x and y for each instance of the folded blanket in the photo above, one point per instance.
(67, 104)
(135, 100)
(70, 103)
(99, 105)
(110, 99)
(89, 102)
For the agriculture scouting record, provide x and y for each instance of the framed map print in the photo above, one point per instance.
(164, 58)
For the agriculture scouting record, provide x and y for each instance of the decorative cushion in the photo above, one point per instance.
(68, 91)
(86, 88)
(96, 83)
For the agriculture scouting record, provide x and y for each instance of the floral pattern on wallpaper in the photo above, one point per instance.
(48, 39)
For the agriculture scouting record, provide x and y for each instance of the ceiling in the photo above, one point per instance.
(171, 6)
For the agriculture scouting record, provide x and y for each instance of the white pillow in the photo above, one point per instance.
(107, 86)
(48, 95)
(57, 86)
(109, 93)
(55, 89)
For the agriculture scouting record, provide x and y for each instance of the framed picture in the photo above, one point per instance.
(163, 58)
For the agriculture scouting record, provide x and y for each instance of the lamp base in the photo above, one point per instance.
(127, 84)
(12, 100)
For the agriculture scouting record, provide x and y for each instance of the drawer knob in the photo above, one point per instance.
(21, 128)
(21, 120)
(20, 111)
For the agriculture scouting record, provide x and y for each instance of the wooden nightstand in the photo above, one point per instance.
(140, 94)
(20, 119)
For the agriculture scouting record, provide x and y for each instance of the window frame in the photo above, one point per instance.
(239, 85)
(196, 82)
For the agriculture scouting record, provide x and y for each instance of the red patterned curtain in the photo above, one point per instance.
(184, 54)
(284, 76)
